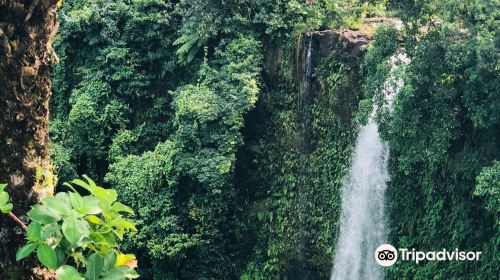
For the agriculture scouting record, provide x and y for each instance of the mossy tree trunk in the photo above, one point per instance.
(26, 29)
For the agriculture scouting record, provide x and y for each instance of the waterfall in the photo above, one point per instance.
(305, 120)
(304, 99)
(308, 68)
(309, 59)
(363, 220)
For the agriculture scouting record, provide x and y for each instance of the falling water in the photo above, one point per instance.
(306, 78)
(305, 95)
(363, 220)
(309, 58)
(305, 120)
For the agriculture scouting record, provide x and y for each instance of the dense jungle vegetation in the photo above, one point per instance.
(194, 111)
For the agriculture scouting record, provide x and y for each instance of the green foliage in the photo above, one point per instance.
(114, 57)
(61, 161)
(5, 205)
(191, 109)
(377, 67)
(226, 92)
(488, 187)
(173, 218)
(80, 235)
(147, 183)
(442, 135)
(189, 47)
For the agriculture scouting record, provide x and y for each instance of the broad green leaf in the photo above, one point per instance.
(114, 274)
(70, 187)
(82, 184)
(43, 215)
(119, 233)
(6, 208)
(47, 256)
(76, 201)
(2, 187)
(100, 240)
(75, 229)
(128, 225)
(109, 196)
(110, 238)
(64, 197)
(91, 205)
(61, 256)
(4, 198)
(94, 219)
(5, 205)
(121, 223)
(57, 205)
(34, 232)
(94, 267)
(50, 231)
(120, 207)
(67, 272)
(128, 271)
(105, 229)
(109, 261)
(91, 183)
(25, 251)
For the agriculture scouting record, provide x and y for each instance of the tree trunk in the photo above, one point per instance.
(26, 29)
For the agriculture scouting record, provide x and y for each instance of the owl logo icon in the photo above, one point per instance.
(386, 255)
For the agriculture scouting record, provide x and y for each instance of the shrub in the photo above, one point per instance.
(78, 235)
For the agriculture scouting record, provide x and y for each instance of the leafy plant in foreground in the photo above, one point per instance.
(78, 235)
(5, 205)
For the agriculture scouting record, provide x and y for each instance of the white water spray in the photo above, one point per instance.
(363, 219)
(309, 58)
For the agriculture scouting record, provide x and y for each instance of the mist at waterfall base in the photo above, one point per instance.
(363, 220)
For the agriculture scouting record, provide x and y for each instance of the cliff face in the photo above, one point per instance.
(342, 42)
(328, 78)
(298, 143)
(332, 42)
(328, 43)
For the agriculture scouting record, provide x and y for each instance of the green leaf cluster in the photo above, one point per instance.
(79, 235)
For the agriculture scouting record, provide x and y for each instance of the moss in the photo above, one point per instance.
(45, 180)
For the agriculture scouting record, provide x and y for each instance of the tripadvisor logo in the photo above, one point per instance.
(387, 255)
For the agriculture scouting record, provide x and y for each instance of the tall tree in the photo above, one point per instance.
(26, 29)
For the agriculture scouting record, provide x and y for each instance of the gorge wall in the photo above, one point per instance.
(300, 136)
(231, 134)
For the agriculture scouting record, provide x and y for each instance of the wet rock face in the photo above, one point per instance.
(332, 42)
(319, 55)
(336, 41)
(326, 44)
